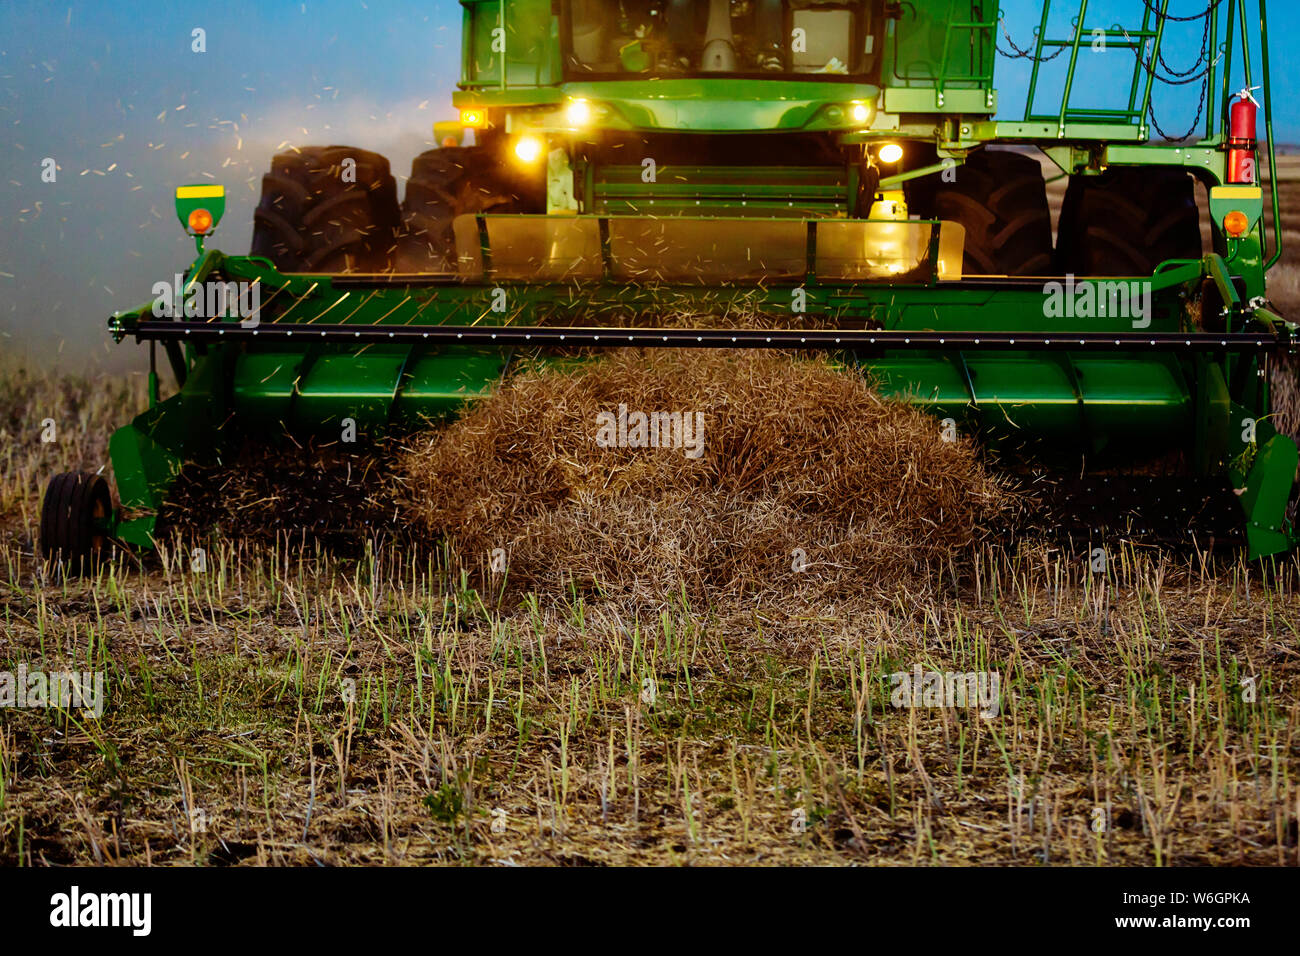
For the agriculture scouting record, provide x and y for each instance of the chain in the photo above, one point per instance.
(1020, 54)
(1169, 16)
(1174, 77)
(1205, 45)
(1200, 109)
(1185, 77)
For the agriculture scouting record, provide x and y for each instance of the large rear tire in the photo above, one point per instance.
(321, 213)
(74, 516)
(446, 183)
(1127, 221)
(1001, 199)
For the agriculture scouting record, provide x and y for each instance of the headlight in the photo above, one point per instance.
(578, 113)
(528, 149)
(890, 153)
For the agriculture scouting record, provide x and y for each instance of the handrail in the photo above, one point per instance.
(985, 52)
(1038, 58)
(1069, 75)
(1268, 127)
(1152, 62)
(1211, 78)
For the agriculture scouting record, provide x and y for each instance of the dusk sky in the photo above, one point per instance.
(112, 92)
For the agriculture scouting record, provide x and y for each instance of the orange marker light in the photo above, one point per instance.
(200, 221)
(1235, 224)
(474, 119)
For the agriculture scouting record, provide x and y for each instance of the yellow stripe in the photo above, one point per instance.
(1237, 192)
(199, 192)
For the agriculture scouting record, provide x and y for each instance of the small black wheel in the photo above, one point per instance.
(74, 521)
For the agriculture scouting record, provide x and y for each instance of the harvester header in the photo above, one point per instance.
(847, 172)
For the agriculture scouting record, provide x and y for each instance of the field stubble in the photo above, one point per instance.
(296, 705)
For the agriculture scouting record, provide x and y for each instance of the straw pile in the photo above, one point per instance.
(808, 482)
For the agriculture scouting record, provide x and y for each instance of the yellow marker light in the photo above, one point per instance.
(200, 221)
(890, 153)
(859, 112)
(528, 149)
(1235, 224)
(578, 113)
(474, 119)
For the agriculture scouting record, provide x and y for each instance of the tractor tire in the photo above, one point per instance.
(72, 534)
(449, 182)
(314, 218)
(1127, 221)
(1000, 198)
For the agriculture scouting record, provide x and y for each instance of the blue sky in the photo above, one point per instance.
(111, 90)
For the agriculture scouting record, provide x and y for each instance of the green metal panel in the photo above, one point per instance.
(375, 387)
(1125, 405)
(527, 35)
(941, 46)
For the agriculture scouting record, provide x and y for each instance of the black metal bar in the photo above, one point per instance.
(829, 339)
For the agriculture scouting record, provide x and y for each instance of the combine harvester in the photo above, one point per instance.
(837, 164)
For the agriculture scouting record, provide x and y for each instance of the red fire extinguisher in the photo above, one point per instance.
(1241, 137)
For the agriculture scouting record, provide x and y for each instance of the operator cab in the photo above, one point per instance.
(759, 38)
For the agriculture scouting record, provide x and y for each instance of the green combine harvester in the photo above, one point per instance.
(836, 165)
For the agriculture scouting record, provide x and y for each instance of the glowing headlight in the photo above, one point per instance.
(578, 113)
(859, 113)
(528, 148)
(890, 153)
